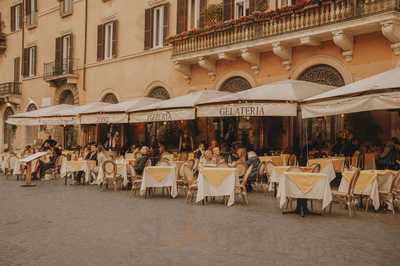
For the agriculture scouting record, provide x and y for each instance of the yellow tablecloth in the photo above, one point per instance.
(366, 178)
(278, 160)
(215, 178)
(158, 173)
(304, 182)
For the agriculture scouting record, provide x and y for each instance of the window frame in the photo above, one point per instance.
(108, 40)
(159, 29)
(63, 11)
(246, 8)
(17, 16)
(194, 14)
(32, 61)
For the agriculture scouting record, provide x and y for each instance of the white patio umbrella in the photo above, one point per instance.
(178, 108)
(115, 113)
(276, 99)
(378, 92)
(35, 118)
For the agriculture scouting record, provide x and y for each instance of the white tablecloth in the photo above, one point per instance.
(122, 170)
(75, 166)
(321, 190)
(159, 177)
(371, 190)
(223, 187)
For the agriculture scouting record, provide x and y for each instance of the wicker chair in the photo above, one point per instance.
(396, 191)
(315, 168)
(347, 198)
(269, 166)
(292, 160)
(110, 175)
(241, 189)
(260, 176)
(389, 197)
(191, 183)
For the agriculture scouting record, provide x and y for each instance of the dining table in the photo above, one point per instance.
(329, 166)
(75, 166)
(304, 186)
(217, 181)
(160, 177)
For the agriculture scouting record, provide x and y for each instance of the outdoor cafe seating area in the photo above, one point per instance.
(315, 180)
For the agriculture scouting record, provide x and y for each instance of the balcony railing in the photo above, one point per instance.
(55, 70)
(267, 24)
(10, 88)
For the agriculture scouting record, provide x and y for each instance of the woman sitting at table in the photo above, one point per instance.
(199, 152)
(217, 158)
(207, 158)
(255, 162)
(142, 161)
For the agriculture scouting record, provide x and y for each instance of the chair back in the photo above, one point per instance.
(355, 159)
(395, 180)
(353, 181)
(109, 169)
(260, 171)
(241, 168)
(315, 168)
(291, 160)
(188, 174)
(269, 167)
(246, 175)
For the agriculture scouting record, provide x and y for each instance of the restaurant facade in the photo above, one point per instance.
(79, 51)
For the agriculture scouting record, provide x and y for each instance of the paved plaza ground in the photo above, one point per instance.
(77, 225)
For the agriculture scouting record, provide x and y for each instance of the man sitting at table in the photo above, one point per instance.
(217, 158)
(142, 161)
(255, 162)
(92, 156)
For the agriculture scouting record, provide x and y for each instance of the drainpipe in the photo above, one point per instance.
(85, 47)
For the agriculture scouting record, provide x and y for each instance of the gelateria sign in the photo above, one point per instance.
(40, 121)
(247, 109)
(163, 115)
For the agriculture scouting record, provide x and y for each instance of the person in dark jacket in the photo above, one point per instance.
(142, 161)
(254, 161)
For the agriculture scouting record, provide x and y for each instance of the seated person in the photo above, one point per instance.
(217, 158)
(207, 158)
(27, 151)
(49, 142)
(142, 161)
(198, 153)
(92, 155)
(255, 162)
(388, 158)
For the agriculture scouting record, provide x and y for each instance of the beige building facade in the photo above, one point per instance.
(82, 51)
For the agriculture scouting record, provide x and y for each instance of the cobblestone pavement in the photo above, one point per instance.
(77, 225)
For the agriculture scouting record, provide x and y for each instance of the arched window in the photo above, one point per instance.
(159, 93)
(110, 98)
(66, 97)
(235, 84)
(32, 132)
(8, 129)
(323, 74)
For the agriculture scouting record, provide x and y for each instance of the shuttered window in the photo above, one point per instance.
(242, 8)
(156, 29)
(107, 40)
(29, 61)
(182, 16)
(31, 10)
(228, 10)
(64, 56)
(17, 67)
(16, 17)
(66, 7)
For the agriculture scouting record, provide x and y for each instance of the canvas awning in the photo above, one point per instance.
(178, 108)
(36, 117)
(115, 113)
(276, 99)
(378, 92)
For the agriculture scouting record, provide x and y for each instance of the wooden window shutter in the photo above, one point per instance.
(21, 16)
(71, 53)
(13, 19)
(228, 10)
(166, 23)
(115, 38)
(34, 63)
(100, 42)
(27, 7)
(203, 9)
(148, 29)
(36, 6)
(17, 67)
(182, 16)
(25, 67)
(58, 64)
(252, 6)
